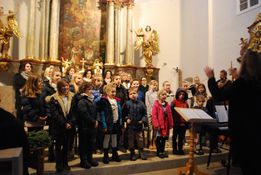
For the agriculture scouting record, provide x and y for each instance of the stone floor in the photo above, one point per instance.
(152, 166)
(215, 168)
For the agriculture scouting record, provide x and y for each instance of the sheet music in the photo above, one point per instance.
(194, 115)
(202, 114)
(221, 113)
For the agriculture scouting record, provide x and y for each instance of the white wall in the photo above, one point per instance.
(164, 17)
(211, 32)
(194, 37)
(228, 28)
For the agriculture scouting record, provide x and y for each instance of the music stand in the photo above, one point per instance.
(193, 116)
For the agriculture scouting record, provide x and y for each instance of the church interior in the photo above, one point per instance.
(164, 40)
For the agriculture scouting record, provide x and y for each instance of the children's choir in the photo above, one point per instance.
(86, 112)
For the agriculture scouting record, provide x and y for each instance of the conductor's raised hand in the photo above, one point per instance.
(209, 72)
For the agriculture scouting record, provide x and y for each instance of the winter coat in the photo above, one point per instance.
(122, 94)
(87, 115)
(159, 120)
(32, 108)
(135, 111)
(106, 115)
(177, 118)
(59, 116)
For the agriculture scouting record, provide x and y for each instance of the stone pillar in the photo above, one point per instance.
(42, 31)
(54, 30)
(110, 33)
(30, 38)
(47, 29)
(129, 57)
(118, 4)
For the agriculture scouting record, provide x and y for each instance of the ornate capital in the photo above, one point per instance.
(105, 1)
(118, 3)
(128, 3)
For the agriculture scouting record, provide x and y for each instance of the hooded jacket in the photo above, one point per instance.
(177, 118)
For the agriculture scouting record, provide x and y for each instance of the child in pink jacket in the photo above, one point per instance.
(162, 122)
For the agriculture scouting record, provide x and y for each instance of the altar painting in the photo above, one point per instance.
(82, 31)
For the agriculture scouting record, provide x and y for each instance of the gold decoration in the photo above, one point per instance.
(149, 42)
(83, 61)
(3, 66)
(65, 65)
(97, 66)
(255, 35)
(255, 38)
(8, 28)
(149, 73)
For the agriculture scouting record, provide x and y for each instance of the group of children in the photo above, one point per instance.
(107, 115)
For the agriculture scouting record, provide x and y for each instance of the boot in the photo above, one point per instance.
(51, 154)
(174, 147)
(85, 164)
(142, 154)
(106, 156)
(132, 155)
(91, 161)
(115, 156)
(158, 146)
(165, 154)
(180, 149)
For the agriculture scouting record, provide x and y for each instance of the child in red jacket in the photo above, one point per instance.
(162, 122)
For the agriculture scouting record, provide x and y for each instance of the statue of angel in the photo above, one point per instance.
(8, 28)
(148, 40)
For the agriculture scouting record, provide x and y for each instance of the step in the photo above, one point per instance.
(139, 166)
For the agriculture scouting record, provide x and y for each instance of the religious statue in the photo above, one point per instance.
(97, 66)
(76, 53)
(8, 28)
(65, 65)
(243, 44)
(88, 53)
(148, 40)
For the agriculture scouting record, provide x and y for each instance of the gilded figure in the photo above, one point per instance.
(8, 28)
(97, 66)
(147, 40)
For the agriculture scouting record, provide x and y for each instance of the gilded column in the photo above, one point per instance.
(30, 38)
(118, 4)
(129, 57)
(110, 33)
(54, 30)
